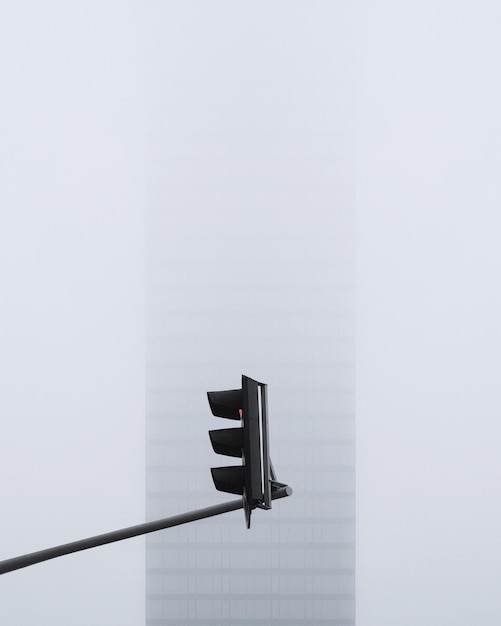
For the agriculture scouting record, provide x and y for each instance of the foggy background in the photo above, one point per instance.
(428, 329)
(71, 313)
(72, 360)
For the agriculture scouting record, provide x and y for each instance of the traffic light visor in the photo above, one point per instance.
(226, 403)
(228, 441)
(229, 479)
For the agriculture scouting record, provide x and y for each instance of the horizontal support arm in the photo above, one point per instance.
(25, 560)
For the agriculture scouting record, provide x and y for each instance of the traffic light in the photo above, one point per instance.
(254, 479)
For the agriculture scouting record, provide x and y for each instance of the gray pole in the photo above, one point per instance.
(25, 560)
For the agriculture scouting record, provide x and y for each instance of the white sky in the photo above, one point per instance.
(71, 320)
(429, 305)
(71, 315)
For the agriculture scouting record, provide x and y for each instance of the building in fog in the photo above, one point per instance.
(250, 270)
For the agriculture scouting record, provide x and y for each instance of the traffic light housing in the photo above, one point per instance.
(254, 479)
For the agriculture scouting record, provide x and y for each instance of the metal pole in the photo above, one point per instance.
(25, 560)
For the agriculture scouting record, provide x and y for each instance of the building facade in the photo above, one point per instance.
(250, 270)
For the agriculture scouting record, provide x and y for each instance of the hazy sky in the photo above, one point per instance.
(71, 316)
(429, 301)
(429, 307)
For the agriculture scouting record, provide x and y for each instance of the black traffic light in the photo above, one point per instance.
(254, 479)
